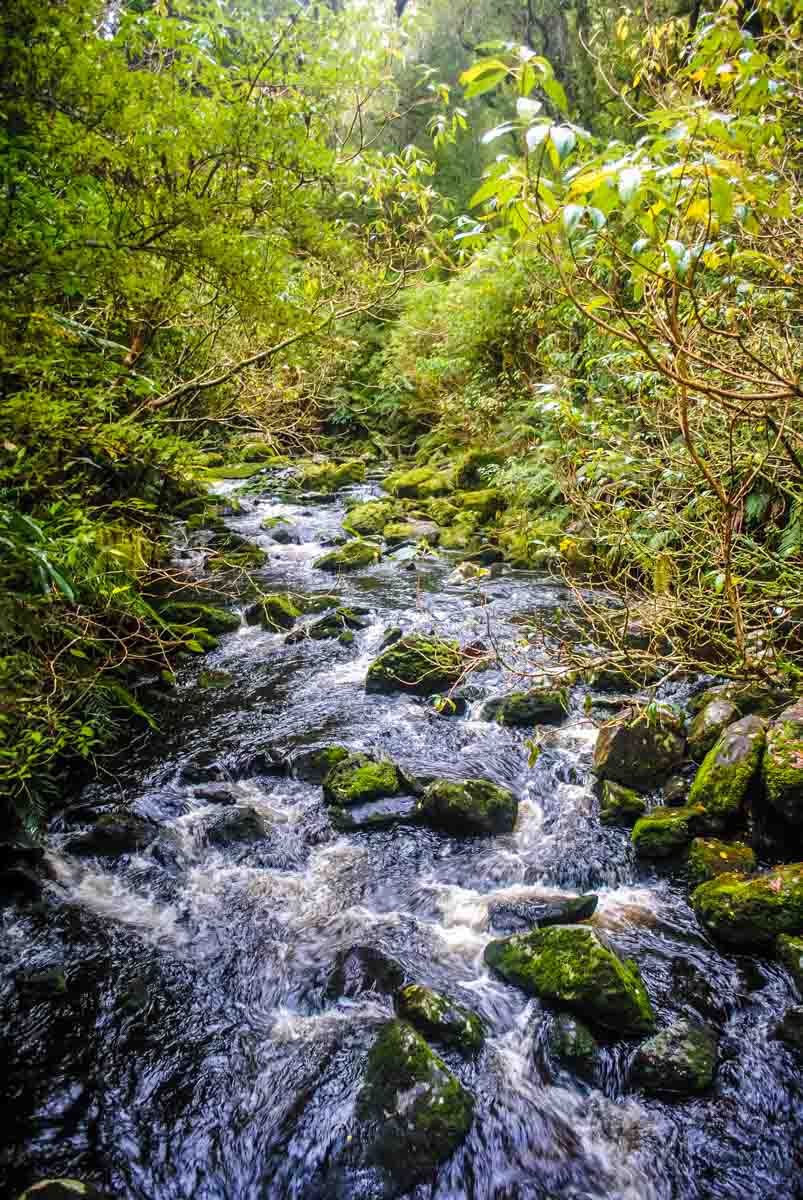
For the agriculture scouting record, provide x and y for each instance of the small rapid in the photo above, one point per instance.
(198, 1048)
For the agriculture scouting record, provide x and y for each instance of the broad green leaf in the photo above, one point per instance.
(563, 139)
(498, 131)
(628, 183)
(485, 84)
(556, 94)
(484, 67)
(571, 217)
(536, 135)
(527, 109)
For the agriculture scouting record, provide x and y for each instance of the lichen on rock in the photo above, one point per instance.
(728, 772)
(639, 749)
(751, 912)
(470, 806)
(679, 1059)
(783, 764)
(439, 1018)
(418, 663)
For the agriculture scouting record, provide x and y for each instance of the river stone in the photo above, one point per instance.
(420, 483)
(61, 1189)
(240, 823)
(360, 969)
(312, 766)
(679, 1059)
(709, 857)
(639, 750)
(539, 706)
(485, 502)
(728, 772)
(422, 664)
(750, 913)
(397, 532)
(620, 805)
(369, 518)
(790, 952)
(516, 916)
(665, 831)
(709, 724)
(351, 557)
(360, 778)
(568, 965)
(376, 814)
(676, 791)
(419, 1111)
(471, 806)
(790, 1028)
(275, 610)
(206, 616)
(573, 1045)
(113, 834)
(334, 625)
(783, 764)
(692, 985)
(327, 476)
(440, 1019)
(19, 883)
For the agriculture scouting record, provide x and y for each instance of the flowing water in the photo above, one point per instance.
(198, 1050)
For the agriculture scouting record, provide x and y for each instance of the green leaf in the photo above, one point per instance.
(563, 139)
(536, 135)
(498, 131)
(571, 217)
(527, 109)
(486, 191)
(556, 94)
(628, 183)
(486, 84)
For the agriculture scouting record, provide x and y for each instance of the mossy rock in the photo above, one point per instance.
(355, 555)
(61, 1189)
(419, 1111)
(276, 610)
(728, 772)
(574, 1046)
(709, 857)
(398, 532)
(665, 831)
(751, 912)
(569, 966)
(639, 749)
(113, 834)
(457, 537)
(485, 503)
(417, 663)
(442, 511)
(790, 952)
(790, 1028)
(208, 518)
(620, 805)
(783, 764)
(328, 476)
(678, 1060)
(360, 778)
(749, 698)
(538, 706)
(709, 725)
(469, 466)
(420, 483)
(369, 518)
(232, 471)
(211, 459)
(213, 620)
(471, 806)
(440, 1019)
(339, 624)
(314, 765)
(257, 452)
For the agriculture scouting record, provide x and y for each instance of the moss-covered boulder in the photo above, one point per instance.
(708, 726)
(339, 624)
(573, 1045)
(709, 857)
(471, 806)
(314, 765)
(619, 805)
(457, 537)
(328, 476)
(276, 610)
(538, 706)
(728, 772)
(517, 916)
(790, 952)
(420, 483)
(442, 511)
(484, 503)
(360, 778)
(411, 531)
(61, 1189)
(205, 616)
(255, 452)
(418, 1112)
(418, 663)
(369, 518)
(751, 912)
(440, 1019)
(568, 965)
(783, 764)
(790, 1028)
(639, 749)
(665, 831)
(677, 1060)
(355, 555)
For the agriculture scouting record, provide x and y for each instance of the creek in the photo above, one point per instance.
(198, 1050)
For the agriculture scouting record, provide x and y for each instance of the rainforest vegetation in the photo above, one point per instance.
(558, 244)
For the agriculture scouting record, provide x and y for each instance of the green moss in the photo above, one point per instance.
(358, 779)
(665, 831)
(457, 537)
(328, 476)
(471, 806)
(209, 518)
(709, 857)
(353, 556)
(708, 726)
(440, 1019)
(485, 503)
(399, 531)
(728, 771)
(679, 1059)
(568, 965)
(752, 912)
(257, 452)
(620, 805)
(420, 483)
(573, 1044)
(416, 663)
(639, 748)
(213, 620)
(369, 518)
(442, 511)
(338, 624)
(535, 707)
(783, 764)
(233, 471)
(790, 952)
(276, 610)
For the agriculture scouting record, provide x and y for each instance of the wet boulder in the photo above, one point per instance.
(442, 511)
(417, 663)
(383, 813)
(312, 766)
(676, 791)
(113, 834)
(327, 476)
(239, 823)
(783, 764)
(417, 1112)
(665, 831)
(360, 778)
(751, 912)
(790, 952)
(339, 624)
(516, 916)
(276, 610)
(573, 1045)
(728, 773)
(369, 518)
(420, 483)
(568, 965)
(708, 857)
(355, 555)
(790, 1028)
(440, 1019)
(640, 748)
(678, 1060)
(205, 616)
(361, 969)
(538, 706)
(619, 805)
(694, 986)
(471, 806)
(485, 503)
(708, 726)
(61, 1189)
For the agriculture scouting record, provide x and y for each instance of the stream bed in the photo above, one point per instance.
(199, 1049)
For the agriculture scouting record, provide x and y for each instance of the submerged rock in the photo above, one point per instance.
(240, 823)
(355, 555)
(692, 985)
(440, 1019)
(113, 834)
(709, 857)
(337, 624)
(790, 1028)
(516, 916)
(679, 1059)
(360, 778)
(639, 748)
(665, 831)
(418, 663)
(709, 724)
(383, 813)
(790, 952)
(573, 1045)
(362, 969)
(568, 965)
(749, 912)
(471, 806)
(783, 764)
(728, 772)
(539, 706)
(419, 1111)
(619, 805)
(313, 766)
